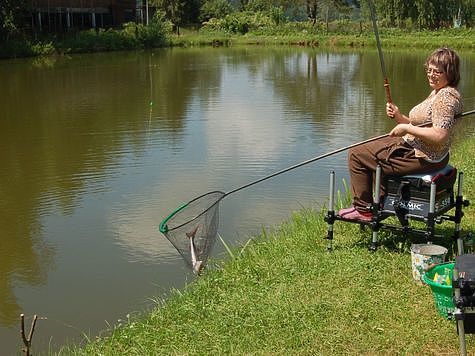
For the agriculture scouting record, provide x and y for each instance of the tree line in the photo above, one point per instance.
(413, 14)
(420, 14)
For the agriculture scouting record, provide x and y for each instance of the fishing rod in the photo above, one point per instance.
(380, 52)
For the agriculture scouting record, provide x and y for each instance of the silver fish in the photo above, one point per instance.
(196, 264)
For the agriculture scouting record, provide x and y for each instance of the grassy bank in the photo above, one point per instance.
(136, 37)
(285, 294)
(390, 38)
(130, 36)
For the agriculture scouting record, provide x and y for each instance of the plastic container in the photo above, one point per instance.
(437, 278)
(423, 257)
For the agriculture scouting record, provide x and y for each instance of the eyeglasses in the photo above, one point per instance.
(434, 71)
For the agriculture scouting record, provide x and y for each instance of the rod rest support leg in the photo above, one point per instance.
(330, 217)
(375, 210)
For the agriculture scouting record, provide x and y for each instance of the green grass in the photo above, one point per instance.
(340, 35)
(283, 293)
(390, 38)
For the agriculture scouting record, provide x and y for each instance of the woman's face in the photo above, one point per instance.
(437, 77)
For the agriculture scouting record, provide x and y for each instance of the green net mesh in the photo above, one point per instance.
(193, 227)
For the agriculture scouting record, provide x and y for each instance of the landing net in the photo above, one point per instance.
(192, 228)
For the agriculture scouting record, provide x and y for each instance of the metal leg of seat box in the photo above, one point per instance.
(463, 345)
(430, 221)
(375, 209)
(330, 218)
(459, 314)
(458, 215)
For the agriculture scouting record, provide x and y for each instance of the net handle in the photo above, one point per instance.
(163, 225)
(307, 162)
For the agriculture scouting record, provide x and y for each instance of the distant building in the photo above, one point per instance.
(145, 11)
(63, 15)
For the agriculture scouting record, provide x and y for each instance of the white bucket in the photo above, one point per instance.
(423, 257)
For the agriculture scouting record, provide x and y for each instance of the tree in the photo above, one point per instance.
(466, 13)
(258, 5)
(192, 10)
(174, 11)
(312, 10)
(434, 14)
(429, 14)
(215, 9)
(12, 14)
(323, 8)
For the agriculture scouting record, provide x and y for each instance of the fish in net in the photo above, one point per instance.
(192, 228)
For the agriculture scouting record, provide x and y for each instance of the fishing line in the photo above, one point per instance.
(151, 96)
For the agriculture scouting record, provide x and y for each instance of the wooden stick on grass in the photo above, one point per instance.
(27, 340)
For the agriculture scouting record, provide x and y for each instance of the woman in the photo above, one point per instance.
(409, 148)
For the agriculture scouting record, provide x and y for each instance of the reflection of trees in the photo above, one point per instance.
(179, 74)
(315, 78)
(64, 126)
(406, 76)
(23, 259)
(346, 85)
(324, 87)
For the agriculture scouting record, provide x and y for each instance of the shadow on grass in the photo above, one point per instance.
(400, 242)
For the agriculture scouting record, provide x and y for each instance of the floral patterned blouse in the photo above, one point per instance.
(440, 108)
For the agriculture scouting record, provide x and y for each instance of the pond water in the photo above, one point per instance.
(97, 149)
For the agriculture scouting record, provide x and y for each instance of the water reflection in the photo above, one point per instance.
(96, 149)
(24, 262)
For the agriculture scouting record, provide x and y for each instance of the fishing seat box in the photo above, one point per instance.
(464, 279)
(411, 193)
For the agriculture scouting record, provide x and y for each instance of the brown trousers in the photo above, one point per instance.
(396, 158)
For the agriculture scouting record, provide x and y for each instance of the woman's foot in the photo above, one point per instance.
(345, 211)
(365, 216)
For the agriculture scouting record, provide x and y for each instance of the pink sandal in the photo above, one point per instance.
(358, 215)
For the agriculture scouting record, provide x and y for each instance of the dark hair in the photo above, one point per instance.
(447, 60)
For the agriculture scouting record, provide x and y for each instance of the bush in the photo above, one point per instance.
(215, 9)
(131, 36)
(257, 5)
(24, 48)
(43, 49)
(277, 15)
(159, 29)
(240, 23)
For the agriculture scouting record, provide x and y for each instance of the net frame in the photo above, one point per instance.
(192, 228)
